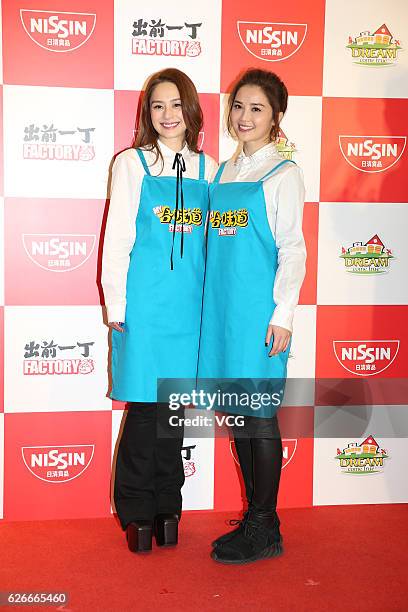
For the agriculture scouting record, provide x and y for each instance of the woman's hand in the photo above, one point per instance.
(116, 325)
(281, 338)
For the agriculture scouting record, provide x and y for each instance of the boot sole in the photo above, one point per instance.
(167, 533)
(217, 543)
(140, 541)
(272, 551)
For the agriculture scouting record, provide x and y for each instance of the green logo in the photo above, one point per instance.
(371, 257)
(284, 147)
(379, 48)
(364, 458)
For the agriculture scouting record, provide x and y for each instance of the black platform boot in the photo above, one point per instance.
(166, 529)
(139, 536)
(244, 452)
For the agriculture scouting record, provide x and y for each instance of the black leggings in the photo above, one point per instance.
(149, 467)
(259, 448)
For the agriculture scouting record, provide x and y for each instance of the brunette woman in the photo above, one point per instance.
(153, 267)
(255, 268)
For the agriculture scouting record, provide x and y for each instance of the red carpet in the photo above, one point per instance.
(344, 559)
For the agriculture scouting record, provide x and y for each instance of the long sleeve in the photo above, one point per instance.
(120, 235)
(288, 204)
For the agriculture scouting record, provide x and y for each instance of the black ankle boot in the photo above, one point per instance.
(244, 453)
(166, 529)
(260, 538)
(139, 536)
(227, 537)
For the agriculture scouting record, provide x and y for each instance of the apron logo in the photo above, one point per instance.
(228, 221)
(185, 222)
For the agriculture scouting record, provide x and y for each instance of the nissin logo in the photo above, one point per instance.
(59, 252)
(372, 153)
(272, 42)
(56, 30)
(58, 463)
(365, 357)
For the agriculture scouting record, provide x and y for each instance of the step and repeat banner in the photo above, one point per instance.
(72, 71)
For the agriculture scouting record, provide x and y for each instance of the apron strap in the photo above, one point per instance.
(285, 161)
(219, 173)
(202, 166)
(143, 160)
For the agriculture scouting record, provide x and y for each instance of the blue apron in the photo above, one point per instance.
(163, 305)
(242, 259)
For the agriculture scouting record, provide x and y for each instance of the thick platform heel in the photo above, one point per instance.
(166, 529)
(139, 536)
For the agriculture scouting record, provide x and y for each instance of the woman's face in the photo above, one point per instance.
(166, 113)
(252, 117)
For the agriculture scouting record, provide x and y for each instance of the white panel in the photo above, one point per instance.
(345, 76)
(352, 479)
(40, 159)
(341, 225)
(38, 379)
(198, 490)
(195, 51)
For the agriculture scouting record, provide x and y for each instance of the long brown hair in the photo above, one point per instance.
(147, 136)
(273, 88)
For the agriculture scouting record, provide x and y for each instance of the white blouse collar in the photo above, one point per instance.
(268, 150)
(167, 152)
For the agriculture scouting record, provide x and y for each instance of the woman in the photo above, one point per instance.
(255, 269)
(152, 275)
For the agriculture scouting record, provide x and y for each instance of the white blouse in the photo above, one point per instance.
(120, 234)
(284, 196)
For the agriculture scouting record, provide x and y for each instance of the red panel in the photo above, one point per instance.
(364, 153)
(361, 351)
(296, 30)
(52, 251)
(310, 232)
(31, 56)
(31, 490)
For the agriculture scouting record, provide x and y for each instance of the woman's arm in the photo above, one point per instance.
(120, 233)
(288, 200)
